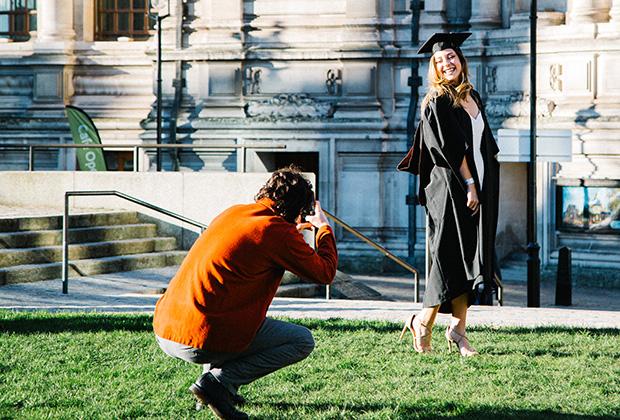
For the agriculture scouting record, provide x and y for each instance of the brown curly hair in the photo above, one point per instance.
(290, 191)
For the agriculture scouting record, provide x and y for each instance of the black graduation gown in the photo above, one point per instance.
(462, 245)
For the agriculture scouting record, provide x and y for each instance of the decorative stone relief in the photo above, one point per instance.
(15, 85)
(518, 105)
(289, 106)
(112, 85)
(555, 80)
(251, 81)
(333, 81)
(490, 79)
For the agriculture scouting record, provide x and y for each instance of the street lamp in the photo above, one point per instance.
(162, 9)
(533, 249)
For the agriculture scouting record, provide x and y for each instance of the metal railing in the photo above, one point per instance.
(400, 261)
(136, 149)
(397, 260)
(65, 224)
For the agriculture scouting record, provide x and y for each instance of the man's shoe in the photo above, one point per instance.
(237, 399)
(210, 391)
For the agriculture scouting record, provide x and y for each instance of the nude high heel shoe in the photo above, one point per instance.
(420, 344)
(461, 341)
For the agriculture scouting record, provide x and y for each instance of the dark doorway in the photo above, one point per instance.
(118, 160)
(307, 161)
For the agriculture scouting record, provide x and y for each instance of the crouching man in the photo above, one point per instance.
(214, 310)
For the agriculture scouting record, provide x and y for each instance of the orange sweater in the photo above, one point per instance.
(220, 295)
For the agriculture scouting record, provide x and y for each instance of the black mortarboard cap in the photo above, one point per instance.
(440, 41)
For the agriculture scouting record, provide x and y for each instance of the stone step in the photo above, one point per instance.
(598, 259)
(37, 272)
(345, 286)
(17, 224)
(300, 290)
(594, 243)
(514, 273)
(31, 239)
(47, 254)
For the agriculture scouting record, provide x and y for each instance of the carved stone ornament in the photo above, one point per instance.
(490, 79)
(251, 81)
(555, 77)
(333, 81)
(289, 106)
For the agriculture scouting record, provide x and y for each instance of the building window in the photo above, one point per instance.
(17, 19)
(122, 18)
(591, 209)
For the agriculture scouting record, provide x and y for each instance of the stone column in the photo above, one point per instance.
(520, 13)
(485, 14)
(614, 12)
(458, 14)
(55, 21)
(433, 18)
(588, 11)
(219, 24)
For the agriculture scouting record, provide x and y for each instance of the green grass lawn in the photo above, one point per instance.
(109, 366)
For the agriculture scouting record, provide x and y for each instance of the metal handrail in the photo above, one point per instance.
(65, 224)
(136, 148)
(399, 261)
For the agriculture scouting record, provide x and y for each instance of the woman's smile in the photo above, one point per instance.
(449, 71)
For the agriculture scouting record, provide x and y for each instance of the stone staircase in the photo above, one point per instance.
(593, 250)
(31, 250)
(31, 247)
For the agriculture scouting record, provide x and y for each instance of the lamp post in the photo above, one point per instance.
(533, 249)
(162, 8)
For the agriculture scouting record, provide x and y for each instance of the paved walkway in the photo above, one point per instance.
(137, 291)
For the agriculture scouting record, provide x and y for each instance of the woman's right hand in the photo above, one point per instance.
(472, 199)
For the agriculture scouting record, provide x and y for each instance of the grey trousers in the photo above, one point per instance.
(276, 344)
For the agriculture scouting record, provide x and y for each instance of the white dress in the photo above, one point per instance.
(477, 127)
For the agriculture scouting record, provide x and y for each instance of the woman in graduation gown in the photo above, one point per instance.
(454, 155)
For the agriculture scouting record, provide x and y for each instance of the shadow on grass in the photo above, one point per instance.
(342, 325)
(432, 410)
(45, 322)
(50, 322)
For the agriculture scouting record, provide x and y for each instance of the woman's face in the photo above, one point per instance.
(448, 64)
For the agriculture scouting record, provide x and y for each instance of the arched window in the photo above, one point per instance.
(122, 18)
(17, 19)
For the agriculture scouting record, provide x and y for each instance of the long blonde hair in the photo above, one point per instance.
(438, 86)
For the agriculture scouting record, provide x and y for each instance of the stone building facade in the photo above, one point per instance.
(328, 79)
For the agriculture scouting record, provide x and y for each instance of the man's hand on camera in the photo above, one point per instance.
(318, 219)
(304, 226)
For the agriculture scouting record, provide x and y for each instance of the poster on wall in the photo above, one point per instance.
(593, 209)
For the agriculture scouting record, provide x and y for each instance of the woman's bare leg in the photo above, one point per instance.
(456, 331)
(426, 318)
(459, 313)
(423, 326)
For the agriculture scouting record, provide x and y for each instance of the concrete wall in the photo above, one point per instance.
(197, 195)
(511, 232)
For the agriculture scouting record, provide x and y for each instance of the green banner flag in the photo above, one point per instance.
(83, 131)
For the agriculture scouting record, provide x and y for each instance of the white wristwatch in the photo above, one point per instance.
(469, 181)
